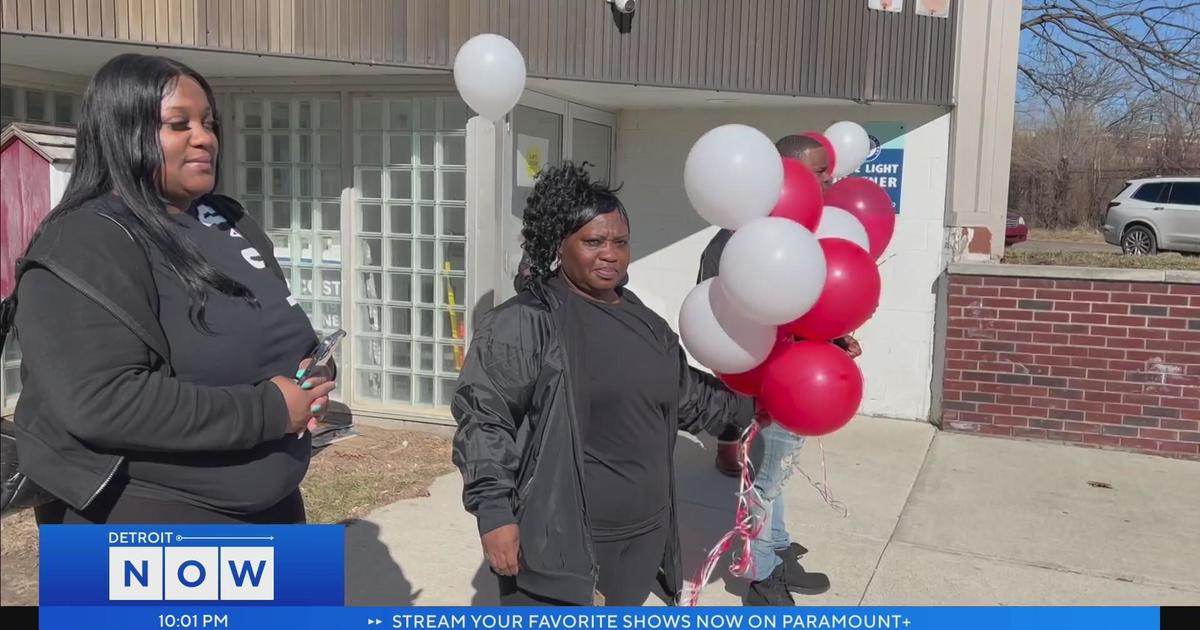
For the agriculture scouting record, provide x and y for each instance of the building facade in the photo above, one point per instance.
(396, 212)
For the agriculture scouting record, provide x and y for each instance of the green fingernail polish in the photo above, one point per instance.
(315, 408)
(299, 372)
(306, 385)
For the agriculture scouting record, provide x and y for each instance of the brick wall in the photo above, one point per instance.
(1102, 363)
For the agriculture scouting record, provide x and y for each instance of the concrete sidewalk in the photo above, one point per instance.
(933, 518)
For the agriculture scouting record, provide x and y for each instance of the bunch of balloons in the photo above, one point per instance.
(798, 272)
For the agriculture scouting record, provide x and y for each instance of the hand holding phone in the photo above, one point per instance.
(317, 359)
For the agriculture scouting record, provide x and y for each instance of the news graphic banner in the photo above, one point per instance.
(293, 577)
(159, 566)
(885, 163)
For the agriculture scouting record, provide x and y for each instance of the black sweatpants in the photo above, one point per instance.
(628, 572)
(121, 508)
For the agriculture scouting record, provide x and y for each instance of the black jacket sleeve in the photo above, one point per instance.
(489, 405)
(705, 404)
(710, 260)
(109, 394)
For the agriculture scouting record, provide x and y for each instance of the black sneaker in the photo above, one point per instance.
(795, 577)
(769, 592)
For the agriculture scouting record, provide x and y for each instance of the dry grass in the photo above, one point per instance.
(345, 481)
(1104, 259)
(1077, 235)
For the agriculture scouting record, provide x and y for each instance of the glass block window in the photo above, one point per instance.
(410, 232)
(19, 104)
(10, 374)
(290, 180)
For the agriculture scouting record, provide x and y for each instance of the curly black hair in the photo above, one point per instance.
(564, 199)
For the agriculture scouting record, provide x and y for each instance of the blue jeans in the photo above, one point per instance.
(780, 448)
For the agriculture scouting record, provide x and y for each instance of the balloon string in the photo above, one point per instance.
(746, 527)
(824, 490)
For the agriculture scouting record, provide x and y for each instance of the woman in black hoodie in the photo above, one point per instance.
(161, 343)
(568, 408)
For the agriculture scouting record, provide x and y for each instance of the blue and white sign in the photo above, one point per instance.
(287, 565)
(885, 163)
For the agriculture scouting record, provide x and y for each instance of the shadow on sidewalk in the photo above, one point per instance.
(372, 577)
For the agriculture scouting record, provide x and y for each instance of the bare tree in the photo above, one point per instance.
(1154, 44)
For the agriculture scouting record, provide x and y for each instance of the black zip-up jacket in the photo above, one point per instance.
(517, 381)
(80, 409)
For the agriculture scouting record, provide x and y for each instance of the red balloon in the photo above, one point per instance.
(850, 296)
(870, 204)
(812, 388)
(749, 383)
(830, 154)
(800, 199)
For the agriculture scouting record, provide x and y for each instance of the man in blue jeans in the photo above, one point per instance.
(776, 572)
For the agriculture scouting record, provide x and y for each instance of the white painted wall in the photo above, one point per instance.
(668, 236)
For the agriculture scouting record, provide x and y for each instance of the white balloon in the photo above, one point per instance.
(773, 270)
(718, 335)
(489, 72)
(837, 223)
(852, 145)
(733, 175)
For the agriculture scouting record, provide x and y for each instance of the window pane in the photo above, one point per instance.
(427, 114)
(401, 184)
(401, 355)
(1149, 192)
(280, 115)
(454, 221)
(454, 114)
(35, 106)
(304, 115)
(424, 390)
(64, 108)
(370, 184)
(446, 386)
(455, 253)
(426, 149)
(331, 216)
(427, 286)
(370, 384)
(401, 217)
(281, 148)
(252, 114)
(252, 181)
(400, 149)
(400, 115)
(8, 102)
(427, 187)
(304, 182)
(370, 115)
(306, 154)
(368, 319)
(372, 218)
(454, 186)
(401, 321)
(401, 253)
(425, 356)
(281, 215)
(1185, 193)
(372, 286)
(401, 291)
(427, 256)
(306, 282)
(281, 181)
(331, 116)
(456, 284)
(252, 148)
(428, 221)
(370, 150)
(331, 283)
(401, 388)
(454, 150)
(331, 150)
(372, 252)
(331, 182)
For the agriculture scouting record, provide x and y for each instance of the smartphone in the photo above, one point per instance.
(321, 354)
(319, 358)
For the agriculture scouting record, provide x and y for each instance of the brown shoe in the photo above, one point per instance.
(728, 460)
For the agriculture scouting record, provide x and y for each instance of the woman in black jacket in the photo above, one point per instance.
(161, 343)
(568, 407)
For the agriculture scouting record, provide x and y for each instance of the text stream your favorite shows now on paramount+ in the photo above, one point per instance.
(293, 577)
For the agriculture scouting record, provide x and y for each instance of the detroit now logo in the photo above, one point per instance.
(153, 566)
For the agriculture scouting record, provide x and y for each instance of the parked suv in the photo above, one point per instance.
(1152, 215)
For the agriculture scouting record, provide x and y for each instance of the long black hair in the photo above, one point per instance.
(118, 151)
(564, 199)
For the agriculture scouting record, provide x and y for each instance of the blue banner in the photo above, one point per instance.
(162, 565)
(885, 163)
(799, 618)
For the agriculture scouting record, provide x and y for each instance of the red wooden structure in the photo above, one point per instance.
(34, 166)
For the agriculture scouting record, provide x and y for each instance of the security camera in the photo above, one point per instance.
(624, 6)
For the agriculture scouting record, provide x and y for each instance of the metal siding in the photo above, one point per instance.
(832, 48)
